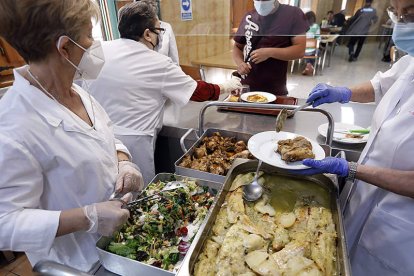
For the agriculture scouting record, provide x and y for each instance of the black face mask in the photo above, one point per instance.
(158, 40)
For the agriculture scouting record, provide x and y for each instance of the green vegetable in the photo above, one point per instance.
(121, 249)
(359, 131)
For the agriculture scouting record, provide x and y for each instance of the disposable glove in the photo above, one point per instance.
(323, 93)
(230, 85)
(107, 217)
(129, 178)
(332, 165)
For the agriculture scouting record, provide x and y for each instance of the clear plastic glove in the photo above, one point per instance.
(332, 165)
(107, 217)
(230, 85)
(129, 178)
(323, 93)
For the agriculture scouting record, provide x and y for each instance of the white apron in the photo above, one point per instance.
(141, 145)
(380, 224)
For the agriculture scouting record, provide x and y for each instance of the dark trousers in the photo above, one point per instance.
(351, 44)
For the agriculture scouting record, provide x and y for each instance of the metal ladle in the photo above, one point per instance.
(284, 114)
(254, 190)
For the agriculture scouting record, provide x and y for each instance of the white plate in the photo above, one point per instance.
(270, 97)
(264, 145)
(340, 137)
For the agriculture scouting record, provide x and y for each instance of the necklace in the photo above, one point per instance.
(64, 108)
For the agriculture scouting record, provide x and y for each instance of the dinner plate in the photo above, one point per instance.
(270, 97)
(263, 146)
(340, 137)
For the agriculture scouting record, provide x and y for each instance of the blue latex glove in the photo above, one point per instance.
(323, 93)
(332, 165)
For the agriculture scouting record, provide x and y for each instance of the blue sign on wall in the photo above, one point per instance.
(186, 10)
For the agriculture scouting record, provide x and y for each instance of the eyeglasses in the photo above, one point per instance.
(404, 18)
(160, 30)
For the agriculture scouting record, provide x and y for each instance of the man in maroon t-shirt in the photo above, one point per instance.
(267, 38)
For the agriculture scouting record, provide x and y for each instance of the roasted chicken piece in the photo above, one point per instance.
(186, 162)
(293, 150)
(215, 154)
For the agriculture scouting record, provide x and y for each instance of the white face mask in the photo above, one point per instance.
(91, 63)
(264, 8)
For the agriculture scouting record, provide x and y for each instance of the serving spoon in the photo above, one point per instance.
(254, 190)
(284, 114)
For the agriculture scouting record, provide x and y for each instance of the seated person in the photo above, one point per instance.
(313, 32)
(136, 81)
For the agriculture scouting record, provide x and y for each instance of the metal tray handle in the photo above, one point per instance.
(329, 136)
(49, 268)
(182, 139)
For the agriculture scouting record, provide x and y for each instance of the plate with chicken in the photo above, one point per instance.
(284, 149)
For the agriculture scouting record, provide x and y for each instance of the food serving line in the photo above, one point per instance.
(198, 119)
(195, 118)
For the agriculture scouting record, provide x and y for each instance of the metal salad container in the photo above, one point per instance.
(125, 266)
(200, 174)
(243, 166)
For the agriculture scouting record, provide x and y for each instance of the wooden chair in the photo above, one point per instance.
(314, 44)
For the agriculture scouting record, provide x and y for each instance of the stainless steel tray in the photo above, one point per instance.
(125, 266)
(206, 175)
(243, 166)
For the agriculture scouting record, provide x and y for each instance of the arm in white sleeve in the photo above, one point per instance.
(23, 225)
(173, 51)
(122, 148)
(383, 81)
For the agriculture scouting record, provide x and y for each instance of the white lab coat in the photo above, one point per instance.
(380, 224)
(169, 44)
(133, 87)
(51, 161)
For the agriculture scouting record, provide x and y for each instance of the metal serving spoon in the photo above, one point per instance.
(253, 191)
(284, 114)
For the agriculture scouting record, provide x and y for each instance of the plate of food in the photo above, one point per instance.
(284, 149)
(346, 133)
(258, 97)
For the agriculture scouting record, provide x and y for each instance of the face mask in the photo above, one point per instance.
(403, 37)
(159, 43)
(91, 63)
(264, 8)
(157, 46)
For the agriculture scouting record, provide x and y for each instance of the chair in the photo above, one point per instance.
(312, 43)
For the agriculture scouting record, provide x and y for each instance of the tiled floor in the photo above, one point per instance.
(20, 267)
(341, 72)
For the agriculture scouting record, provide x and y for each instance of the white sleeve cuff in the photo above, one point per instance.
(29, 230)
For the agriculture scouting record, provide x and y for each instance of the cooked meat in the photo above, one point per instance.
(296, 149)
(215, 154)
(200, 152)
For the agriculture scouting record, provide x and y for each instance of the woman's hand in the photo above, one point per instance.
(323, 93)
(129, 178)
(332, 165)
(107, 217)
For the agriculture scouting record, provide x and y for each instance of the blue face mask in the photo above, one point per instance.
(265, 7)
(403, 37)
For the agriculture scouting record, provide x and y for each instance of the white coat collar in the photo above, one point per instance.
(49, 109)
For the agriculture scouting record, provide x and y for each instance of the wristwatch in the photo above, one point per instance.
(352, 171)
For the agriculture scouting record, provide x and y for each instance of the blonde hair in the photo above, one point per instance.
(32, 27)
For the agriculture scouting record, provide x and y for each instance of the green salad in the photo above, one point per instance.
(159, 231)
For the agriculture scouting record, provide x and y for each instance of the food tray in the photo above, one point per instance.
(243, 166)
(206, 175)
(125, 266)
(285, 100)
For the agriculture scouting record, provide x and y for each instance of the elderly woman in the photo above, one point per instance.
(59, 158)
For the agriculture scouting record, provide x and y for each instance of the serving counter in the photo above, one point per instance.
(305, 123)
